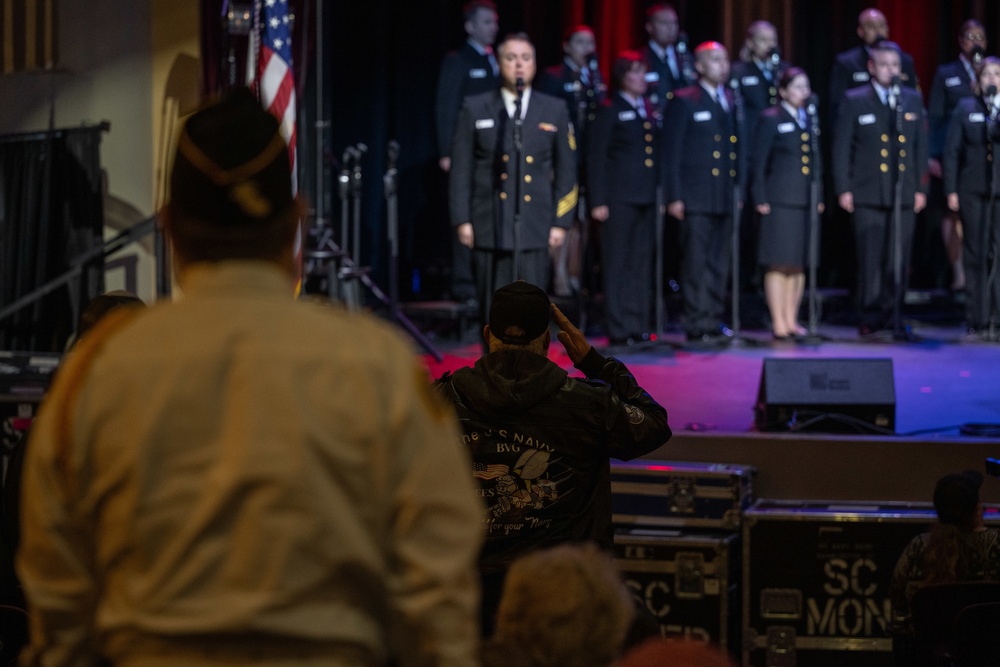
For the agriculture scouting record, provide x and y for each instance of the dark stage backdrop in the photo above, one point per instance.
(381, 63)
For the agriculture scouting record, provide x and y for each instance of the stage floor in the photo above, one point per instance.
(942, 380)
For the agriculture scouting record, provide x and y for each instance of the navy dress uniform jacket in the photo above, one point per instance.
(463, 72)
(700, 151)
(482, 171)
(866, 150)
(782, 160)
(563, 82)
(951, 84)
(660, 78)
(967, 160)
(622, 154)
(758, 93)
(850, 70)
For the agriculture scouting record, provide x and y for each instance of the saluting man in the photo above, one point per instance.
(492, 178)
(700, 162)
(869, 153)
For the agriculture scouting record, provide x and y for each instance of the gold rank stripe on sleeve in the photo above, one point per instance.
(568, 203)
(571, 137)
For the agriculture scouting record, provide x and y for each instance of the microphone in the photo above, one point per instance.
(392, 153)
(519, 85)
(682, 43)
(812, 104)
(991, 92)
(977, 55)
(592, 62)
(895, 86)
(774, 60)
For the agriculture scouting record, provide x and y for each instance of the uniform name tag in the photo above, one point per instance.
(953, 81)
(866, 119)
(485, 123)
(784, 128)
(700, 116)
(477, 74)
(750, 81)
(977, 118)
(652, 77)
(861, 76)
(626, 115)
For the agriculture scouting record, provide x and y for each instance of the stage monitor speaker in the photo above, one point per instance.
(826, 395)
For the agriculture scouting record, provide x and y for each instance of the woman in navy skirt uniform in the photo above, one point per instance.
(969, 168)
(781, 171)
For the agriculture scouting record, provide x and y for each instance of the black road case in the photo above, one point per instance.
(680, 493)
(688, 581)
(816, 580)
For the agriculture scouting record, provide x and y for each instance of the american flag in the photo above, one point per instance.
(273, 76)
(491, 471)
(274, 81)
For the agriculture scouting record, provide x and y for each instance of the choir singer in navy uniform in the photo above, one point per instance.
(970, 173)
(699, 163)
(869, 153)
(622, 160)
(782, 167)
(486, 176)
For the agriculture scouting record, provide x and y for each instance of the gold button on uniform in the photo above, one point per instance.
(716, 154)
(715, 172)
(902, 153)
(804, 136)
(805, 159)
(885, 138)
(527, 178)
(718, 137)
(503, 195)
(884, 152)
(647, 126)
(902, 167)
(805, 148)
(649, 150)
(527, 198)
(732, 156)
(884, 167)
(805, 170)
(529, 160)
(503, 177)
(506, 158)
(902, 139)
(649, 137)
(649, 163)
(732, 139)
(732, 172)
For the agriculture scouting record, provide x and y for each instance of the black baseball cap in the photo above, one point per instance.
(956, 496)
(523, 308)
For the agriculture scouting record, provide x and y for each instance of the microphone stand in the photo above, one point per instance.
(899, 331)
(988, 305)
(390, 182)
(734, 242)
(518, 148)
(814, 185)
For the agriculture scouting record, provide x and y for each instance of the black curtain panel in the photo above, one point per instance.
(51, 214)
